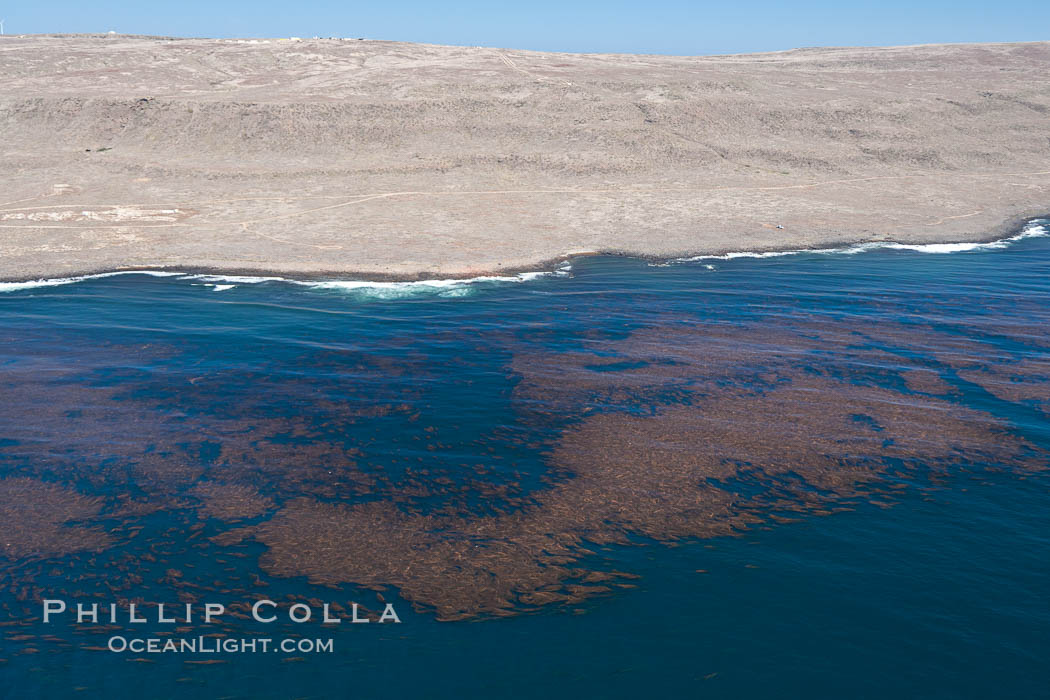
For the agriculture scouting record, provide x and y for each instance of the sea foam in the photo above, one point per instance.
(379, 290)
(55, 281)
(1032, 230)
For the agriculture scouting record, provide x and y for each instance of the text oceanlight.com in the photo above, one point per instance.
(210, 645)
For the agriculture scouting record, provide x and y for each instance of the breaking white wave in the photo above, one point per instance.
(233, 279)
(53, 282)
(1032, 230)
(377, 290)
(382, 290)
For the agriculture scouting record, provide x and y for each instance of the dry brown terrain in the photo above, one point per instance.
(388, 159)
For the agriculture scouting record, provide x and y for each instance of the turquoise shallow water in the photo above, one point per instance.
(816, 475)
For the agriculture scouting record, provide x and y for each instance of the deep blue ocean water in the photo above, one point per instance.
(125, 398)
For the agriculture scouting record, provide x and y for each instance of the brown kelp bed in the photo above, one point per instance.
(677, 430)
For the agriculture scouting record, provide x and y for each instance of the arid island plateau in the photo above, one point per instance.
(380, 159)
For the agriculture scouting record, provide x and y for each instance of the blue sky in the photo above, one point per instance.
(653, 26)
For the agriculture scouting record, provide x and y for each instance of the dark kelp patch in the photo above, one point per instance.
(677, 430)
